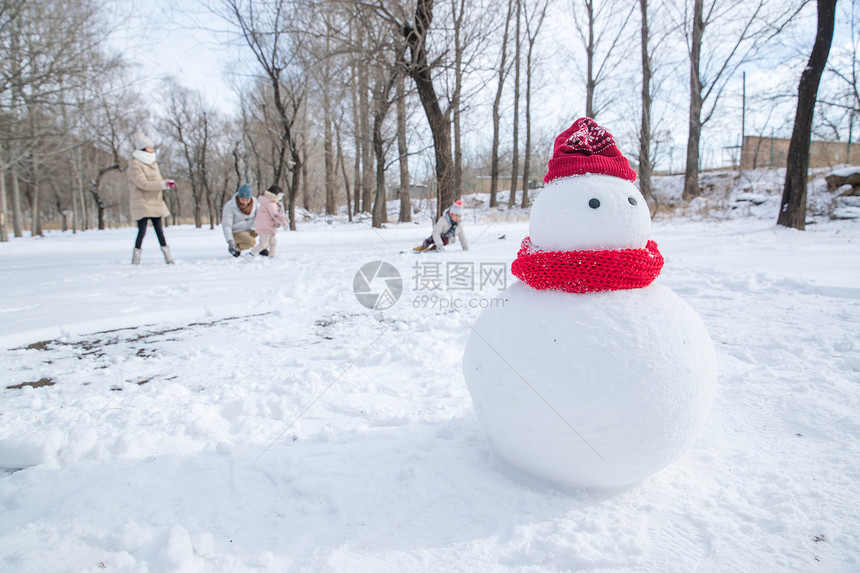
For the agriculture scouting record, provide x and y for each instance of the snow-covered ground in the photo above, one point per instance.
(228, 415)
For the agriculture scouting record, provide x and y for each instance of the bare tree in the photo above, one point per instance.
(839, 103)
(359, 142)
(112, 115)
(202, 156)
(364, 128)
(384, 55)
(470, 35)
(502, 74)
(385, 81)
(267, 31)
(601, 30)
(793, 210)
(182, 121)
(4, 233)
(738, 29)
(645, 127)
(50, 49)
(515, 156)
(533, 21)
(420, 69)
(342, 163)
(403, 152)
(328, 136)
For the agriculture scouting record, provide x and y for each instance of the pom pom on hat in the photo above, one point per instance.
(586, 147)
(245, 191)
(141, 141)
(456, 208)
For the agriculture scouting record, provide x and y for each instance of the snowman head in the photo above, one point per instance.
(589, 201)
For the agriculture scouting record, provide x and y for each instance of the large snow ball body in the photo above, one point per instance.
(589, 212)
(591, 390)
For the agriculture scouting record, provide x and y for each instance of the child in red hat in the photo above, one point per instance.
(447, 230)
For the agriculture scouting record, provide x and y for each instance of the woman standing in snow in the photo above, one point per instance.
(237, 220)
(270, 216)
(145, 195)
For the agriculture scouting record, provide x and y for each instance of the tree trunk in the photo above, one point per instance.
(345, 177)
(4, 234)
(403, 153)
(17, 215)
(287, 141)
(294, 188)
(75, 192)
(366, 147)
(793, 210)
(95, 191)
(35, 207)
(203, 161)
(645, 127)
(440, 126)
(14, 62)
(101, 210)
(515, 160)
(328, 152)
(173, 206)
(691, 172)
(590, 82)
(356, 166)
(494, 152)
(306, 188)
(58, 201)
(531, 35)
(385, 82)
(192, 176)
(458, 91)
(85, 210)
(379, 200)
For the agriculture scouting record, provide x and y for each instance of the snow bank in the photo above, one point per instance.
(224, 415)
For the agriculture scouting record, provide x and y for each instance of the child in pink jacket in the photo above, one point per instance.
(270, 216)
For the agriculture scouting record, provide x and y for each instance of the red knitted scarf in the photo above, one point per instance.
(587, 271)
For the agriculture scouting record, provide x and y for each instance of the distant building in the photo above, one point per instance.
(765, 152)
(415, 191)
(482, 183)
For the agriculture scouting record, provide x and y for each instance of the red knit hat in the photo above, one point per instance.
(585, 147)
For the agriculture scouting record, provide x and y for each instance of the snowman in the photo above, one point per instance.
(590, 374)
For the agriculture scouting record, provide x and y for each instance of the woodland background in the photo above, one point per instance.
(349, 103)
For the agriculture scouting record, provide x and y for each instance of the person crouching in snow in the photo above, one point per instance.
(270, 216)
(237, 220)
(447, 230)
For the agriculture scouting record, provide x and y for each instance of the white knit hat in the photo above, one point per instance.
(141, 141)
(456, 208)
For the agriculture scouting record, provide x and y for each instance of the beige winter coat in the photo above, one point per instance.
(145, 184)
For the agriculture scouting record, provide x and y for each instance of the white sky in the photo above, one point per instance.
(181, 38)
(166, 38)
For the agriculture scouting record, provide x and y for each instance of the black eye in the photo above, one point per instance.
(631, 200)
(593, 203)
